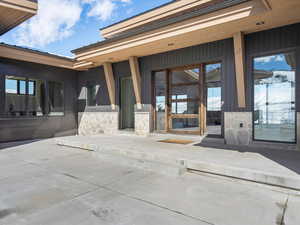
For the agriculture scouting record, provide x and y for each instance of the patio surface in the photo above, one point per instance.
(270, 166)
(45, 184)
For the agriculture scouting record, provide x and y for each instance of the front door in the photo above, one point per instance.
(127, 103)
(188, 100)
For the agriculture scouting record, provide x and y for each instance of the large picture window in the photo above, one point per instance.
(274, 98)
(26, 97)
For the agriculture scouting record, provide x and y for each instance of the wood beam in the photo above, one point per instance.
(239, 53)
(110, 81)
(136, 79)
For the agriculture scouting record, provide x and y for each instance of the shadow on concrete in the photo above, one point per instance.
(288, 158)
(5, 145)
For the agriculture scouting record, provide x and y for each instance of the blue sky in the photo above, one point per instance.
(64, 25)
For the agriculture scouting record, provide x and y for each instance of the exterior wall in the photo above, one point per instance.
(257, 44)
(238, 128)
(12, 129)
(101, 118)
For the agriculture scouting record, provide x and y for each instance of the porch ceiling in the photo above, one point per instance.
(248, 17)
(14, 12)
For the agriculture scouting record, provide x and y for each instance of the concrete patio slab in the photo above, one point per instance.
(81, 189)
(274, 167)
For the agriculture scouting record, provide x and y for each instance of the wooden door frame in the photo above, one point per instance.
(202, 99)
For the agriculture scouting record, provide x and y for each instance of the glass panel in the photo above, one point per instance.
(189, 107)
(185, 76)
(185, 92)
(22, 87)
(214, 99)
(185, 124)
(274, 98)
(36, 98)
(92, 95)
(31, 87)
(160, 99)
(56, 98)
(11, 86)
(15, 104)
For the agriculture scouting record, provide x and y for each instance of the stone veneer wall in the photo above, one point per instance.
(143, 123)
(234, 133)
(93, 123)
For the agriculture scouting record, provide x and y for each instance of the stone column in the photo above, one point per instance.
(93, 123)
(143, 121)
(238, 128)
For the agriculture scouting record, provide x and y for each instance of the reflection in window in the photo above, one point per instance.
(22, 87)
(11, 86)
(21, 101)
(31, 87)
(92, 94)
(274, 98)
(186, 124)
(56, 98)
(36, 98)
(160, 99)
(214, 98)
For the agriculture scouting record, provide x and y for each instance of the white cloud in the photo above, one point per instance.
(55, 21)
(273, 58)
(103, 9)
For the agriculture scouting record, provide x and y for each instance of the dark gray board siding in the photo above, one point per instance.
(12, 129)
(219, 51)
(269, 42)
(265, 42)
(96, 76)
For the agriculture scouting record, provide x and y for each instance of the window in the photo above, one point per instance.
(31, 87)
(22, 87)
(274, 98)
(11, 86)
(28, 97)
(56, 98)
(92, 94)
(23, 97)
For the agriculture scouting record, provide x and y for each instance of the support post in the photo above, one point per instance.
(110, 81)
(239, 53)
(136, 79)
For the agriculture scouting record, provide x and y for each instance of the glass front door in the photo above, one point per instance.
(274, 98)
(188, 100)
(184, 100)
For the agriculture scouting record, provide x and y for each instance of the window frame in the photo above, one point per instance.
(47, 99)
(88, 84)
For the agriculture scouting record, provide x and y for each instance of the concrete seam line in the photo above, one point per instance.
(160, 206)
(284, 210)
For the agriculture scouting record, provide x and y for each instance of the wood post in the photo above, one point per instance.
(110, 81)
(136, 78)
(202, 105)
(239, 53)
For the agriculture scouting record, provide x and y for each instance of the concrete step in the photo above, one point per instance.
(158, 163)
(168, 164)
